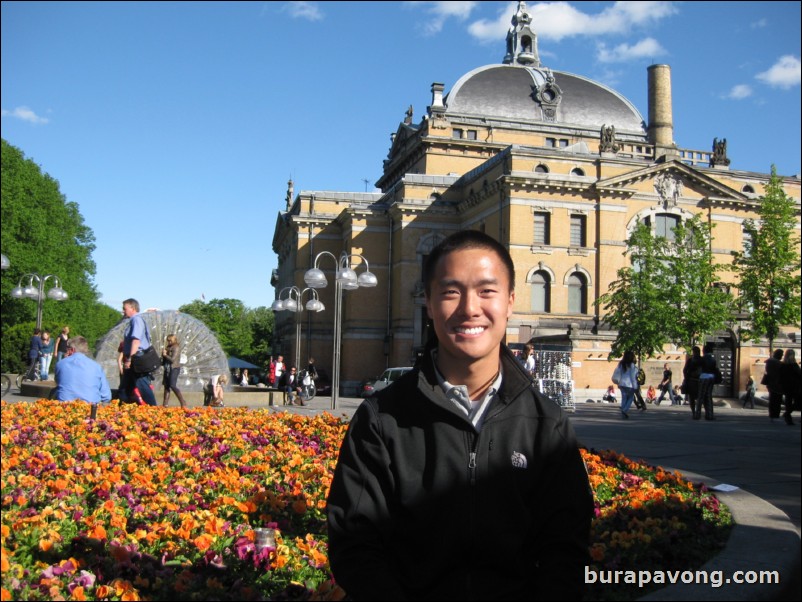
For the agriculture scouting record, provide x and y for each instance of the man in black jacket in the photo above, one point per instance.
(460, 481)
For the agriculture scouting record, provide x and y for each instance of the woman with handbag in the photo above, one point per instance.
(626, 377)
(171, 360)
(690, 373)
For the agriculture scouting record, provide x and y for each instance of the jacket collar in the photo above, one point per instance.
(515, 379)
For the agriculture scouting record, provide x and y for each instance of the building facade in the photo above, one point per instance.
(558, 168)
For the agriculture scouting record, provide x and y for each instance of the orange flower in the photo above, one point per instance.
(45, 544)
(78, 594)
(203, 542)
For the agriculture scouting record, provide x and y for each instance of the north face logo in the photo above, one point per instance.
(518, 460)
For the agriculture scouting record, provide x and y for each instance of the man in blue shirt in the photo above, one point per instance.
(135, 342)
(78, 376)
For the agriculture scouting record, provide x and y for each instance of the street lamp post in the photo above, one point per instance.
(345, 278)
(295, 304)
(33, 292)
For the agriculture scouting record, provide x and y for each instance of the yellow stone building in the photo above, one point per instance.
(557, 167)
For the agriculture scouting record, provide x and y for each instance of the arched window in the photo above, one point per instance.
(748, 189)
(664, 224)
(541, 292)
(576, 171)
(577, 294)
(541, 169)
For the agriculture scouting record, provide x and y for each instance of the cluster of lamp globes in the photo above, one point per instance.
(315, 279)
(32, 292)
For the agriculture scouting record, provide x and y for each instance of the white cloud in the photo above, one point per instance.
(785, 73)
(739, 92)
(759, 24)
(304, 10)
(647, 48)
(25, 114)
(441, 11)
(557, 20)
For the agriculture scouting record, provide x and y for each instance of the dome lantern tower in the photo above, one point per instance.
(521, 40)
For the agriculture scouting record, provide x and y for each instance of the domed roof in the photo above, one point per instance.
(522, 93)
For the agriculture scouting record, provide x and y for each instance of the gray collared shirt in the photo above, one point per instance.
(475, 410)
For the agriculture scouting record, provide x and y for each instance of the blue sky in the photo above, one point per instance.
(176, 125)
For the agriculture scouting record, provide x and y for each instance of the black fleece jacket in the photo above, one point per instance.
(422, 507)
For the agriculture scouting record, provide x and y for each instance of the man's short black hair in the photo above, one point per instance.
(466, 239)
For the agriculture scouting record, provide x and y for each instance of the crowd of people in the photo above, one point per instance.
(41, 350)
(782, 379)
(79, 377)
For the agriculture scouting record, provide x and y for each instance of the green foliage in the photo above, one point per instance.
(670, 293)
(697, 306)
(262, 323)
(634, 305)
(769, 267)
(242, 332)
(43, 233)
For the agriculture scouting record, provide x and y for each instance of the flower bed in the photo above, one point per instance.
(160, 503)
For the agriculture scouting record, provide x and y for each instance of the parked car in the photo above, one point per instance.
(366, 387)
(371, 386)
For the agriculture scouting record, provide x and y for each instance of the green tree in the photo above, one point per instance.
(262, 323)
(241, 332)
(697, 305)
(768, 268)
(43, 233)
(634, 305)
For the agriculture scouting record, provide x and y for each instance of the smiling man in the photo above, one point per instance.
(460, 481)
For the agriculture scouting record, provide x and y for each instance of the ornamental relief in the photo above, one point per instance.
(669, 188)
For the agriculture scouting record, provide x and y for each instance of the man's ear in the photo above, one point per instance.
(511, 303)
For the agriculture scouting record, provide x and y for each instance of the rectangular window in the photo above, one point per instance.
(542, 233)
(578, 234)
(471, 134)
(563, 143)
(456, 133)
(551, 142)
(748, 243)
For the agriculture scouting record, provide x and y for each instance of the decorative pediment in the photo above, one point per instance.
(399, 139)
(670, 181)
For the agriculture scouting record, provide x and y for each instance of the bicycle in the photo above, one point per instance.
(27, 375)
(309, 390)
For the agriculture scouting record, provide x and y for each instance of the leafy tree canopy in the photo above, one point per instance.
(634, 302)
(242, 332)
(42, 233)
(698, 306)
(670, 292)
(769, 266)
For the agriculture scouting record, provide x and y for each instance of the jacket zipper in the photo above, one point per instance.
(472, 461)
(474, 510)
